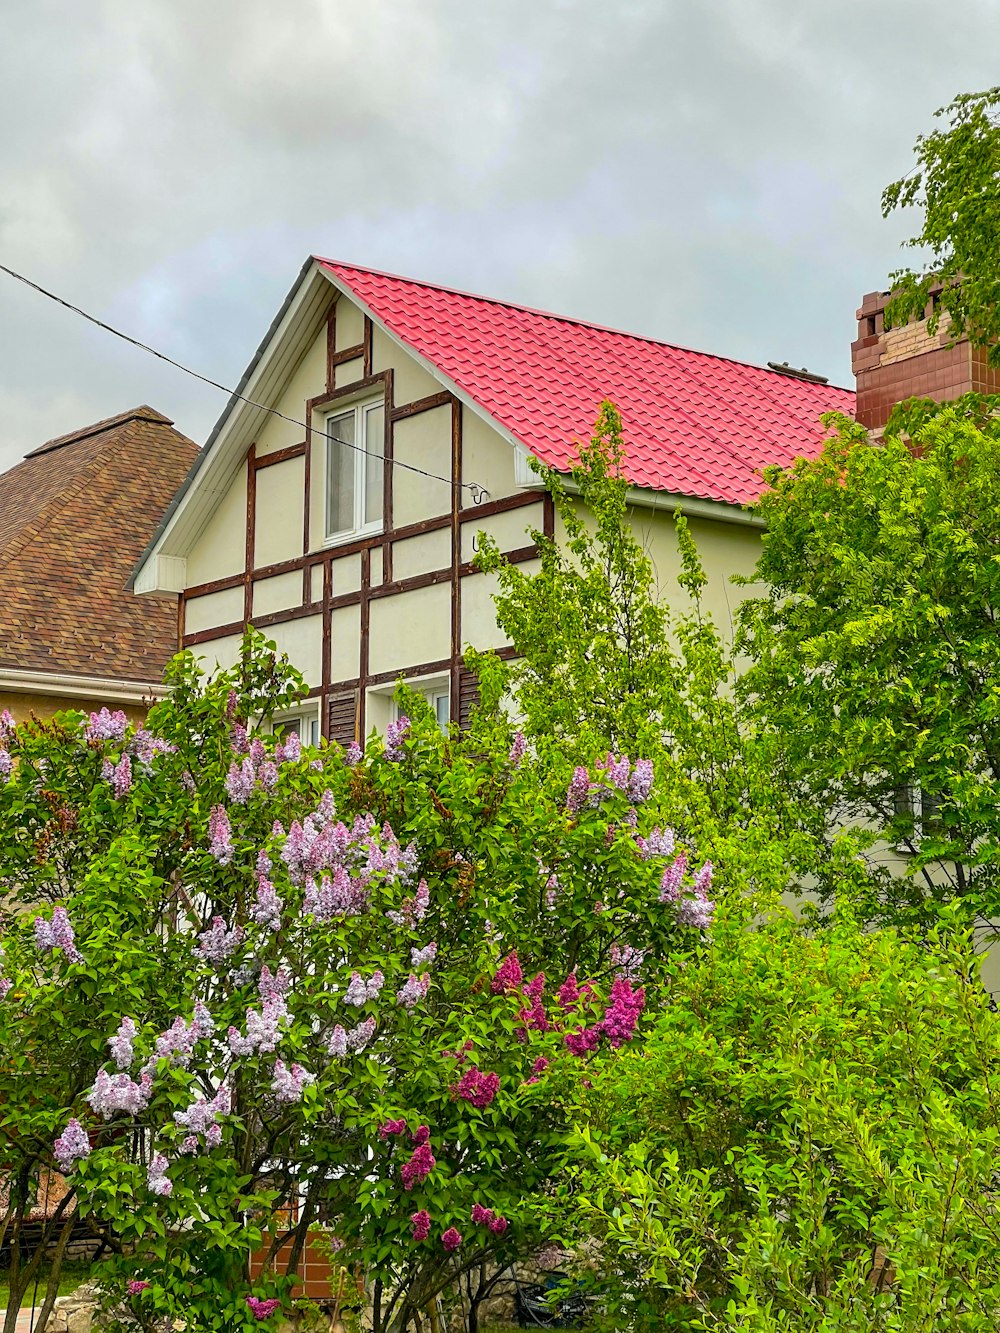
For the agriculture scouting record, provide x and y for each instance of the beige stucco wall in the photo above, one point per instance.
(424, 441)
(220, 550)
(350, 325)
(487, 458)
(410, 380)
(410, 628)
(217, 608)
(510, 530)
(307, 380)
(278, 512)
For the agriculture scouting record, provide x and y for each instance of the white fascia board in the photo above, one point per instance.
(641, 497)
(79, 687)
(161, 574)
(224, 452)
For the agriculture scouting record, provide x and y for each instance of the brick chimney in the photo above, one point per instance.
(907, 362)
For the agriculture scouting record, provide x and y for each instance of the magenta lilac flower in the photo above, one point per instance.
(413, 990)
(477, 1087)
(289, 1083)
(71, 1146)
(421, 1224)
(263, 1309)
(395, 737)
(451, 1240)
(540, 1065)
(420, 1135)
(220, 835)
(135, 1286)
(622, 1013)
(481, 1217)
(218, 942)
(508, 975)
(391, 1128)
(419, 1166)
(583, 1042)
(121, 1044)
(57, 934)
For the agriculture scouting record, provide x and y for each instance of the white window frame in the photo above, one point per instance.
(435, 689)
(363, 460)
(308, 720)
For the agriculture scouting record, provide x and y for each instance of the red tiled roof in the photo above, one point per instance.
(695, 424)
(74, 516)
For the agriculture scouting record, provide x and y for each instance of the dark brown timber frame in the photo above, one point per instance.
(343, 702)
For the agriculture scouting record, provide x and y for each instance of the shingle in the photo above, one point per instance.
(74, 516)
(695, 424)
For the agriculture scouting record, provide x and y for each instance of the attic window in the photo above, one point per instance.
(355, 448)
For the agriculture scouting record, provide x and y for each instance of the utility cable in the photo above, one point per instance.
(479, 493)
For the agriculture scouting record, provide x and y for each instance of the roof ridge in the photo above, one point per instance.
(141, 413)
(563, 319)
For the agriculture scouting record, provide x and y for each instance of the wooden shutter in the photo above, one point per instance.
(342, 717)
(468, 695)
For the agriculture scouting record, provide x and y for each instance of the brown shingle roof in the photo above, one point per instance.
(74, 517)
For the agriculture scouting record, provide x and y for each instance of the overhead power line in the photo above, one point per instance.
(478, 492)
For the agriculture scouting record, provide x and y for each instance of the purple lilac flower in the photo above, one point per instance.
(360, 991)
(118, 1092)
(288, 1083)
(6, 765)
(353, 754)
(240, 781)
(106, 726)
(359, 1037)
(421, 957)
(337, 1044)
(697, 912)
(627, 960)
(218, 942)
(395, 736)
(257, 752)
(238, 740)
(144, 747)
(419, 1166)
(289, 750)
(263, 1309)
(71, 1146)
(267, 775)
(231, 705)
(641, 782)
(517, 750)
(576, 794)
(266, 907)
(451, 1240)
(121, 1044)
(263, 1028)
(8, 727)
(421, 1225)
(57, 934)
(508, 975)
(156, 1176)
(659, 843)
(670, 884)
(413, 990)
(219, 835)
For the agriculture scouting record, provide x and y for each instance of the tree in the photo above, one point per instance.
(311, 998)
(956, 186)
(806, 1141)
(875, 654)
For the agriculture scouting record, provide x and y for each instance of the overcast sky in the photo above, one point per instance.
(703, 171)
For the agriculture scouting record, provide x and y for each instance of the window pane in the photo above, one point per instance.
(442, 710)
(374, 467)
(340, 465)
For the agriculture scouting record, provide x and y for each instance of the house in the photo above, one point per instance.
(384, 422)
(74, 516)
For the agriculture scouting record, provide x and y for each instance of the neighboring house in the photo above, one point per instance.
(362, 570)
(74, 517)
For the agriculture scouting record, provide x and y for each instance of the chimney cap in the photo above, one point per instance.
(797, 372)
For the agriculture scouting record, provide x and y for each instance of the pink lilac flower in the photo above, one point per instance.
(641, 782)
(202, 1114)
(412, 909)
(627, 960)
(576, 794)
(360, 991)
(274, 986)
(289, 1083)
(57, 934)
(121, 1044)
(267, 775)
(360, 1036)
(421, 957)
(118, 1092)
(391, 1128)
(697, 912)
(263, 1309)
(8, 727)
(413, 990)
(670, 884)
(135, 1286)
(218, 942)
(240, 781)
(477, 1088)
(659, 843)
(238, 739)
(421, 1224)
(508, 975)
(517, 750)
(451, 1240)
(336, 895)
(266, 907)
(106, 726)
(6, 765)
(419, 1166)
(219, 835)
(395, 736)
(289, 751)
(263, 1028)
(622, 1013)
(71, 1146)
(213, 1136)
(337, 1044)
(121, 781)
(352, 755)
(540, 1065)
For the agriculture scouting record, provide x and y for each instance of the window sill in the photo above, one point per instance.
(357, 534)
